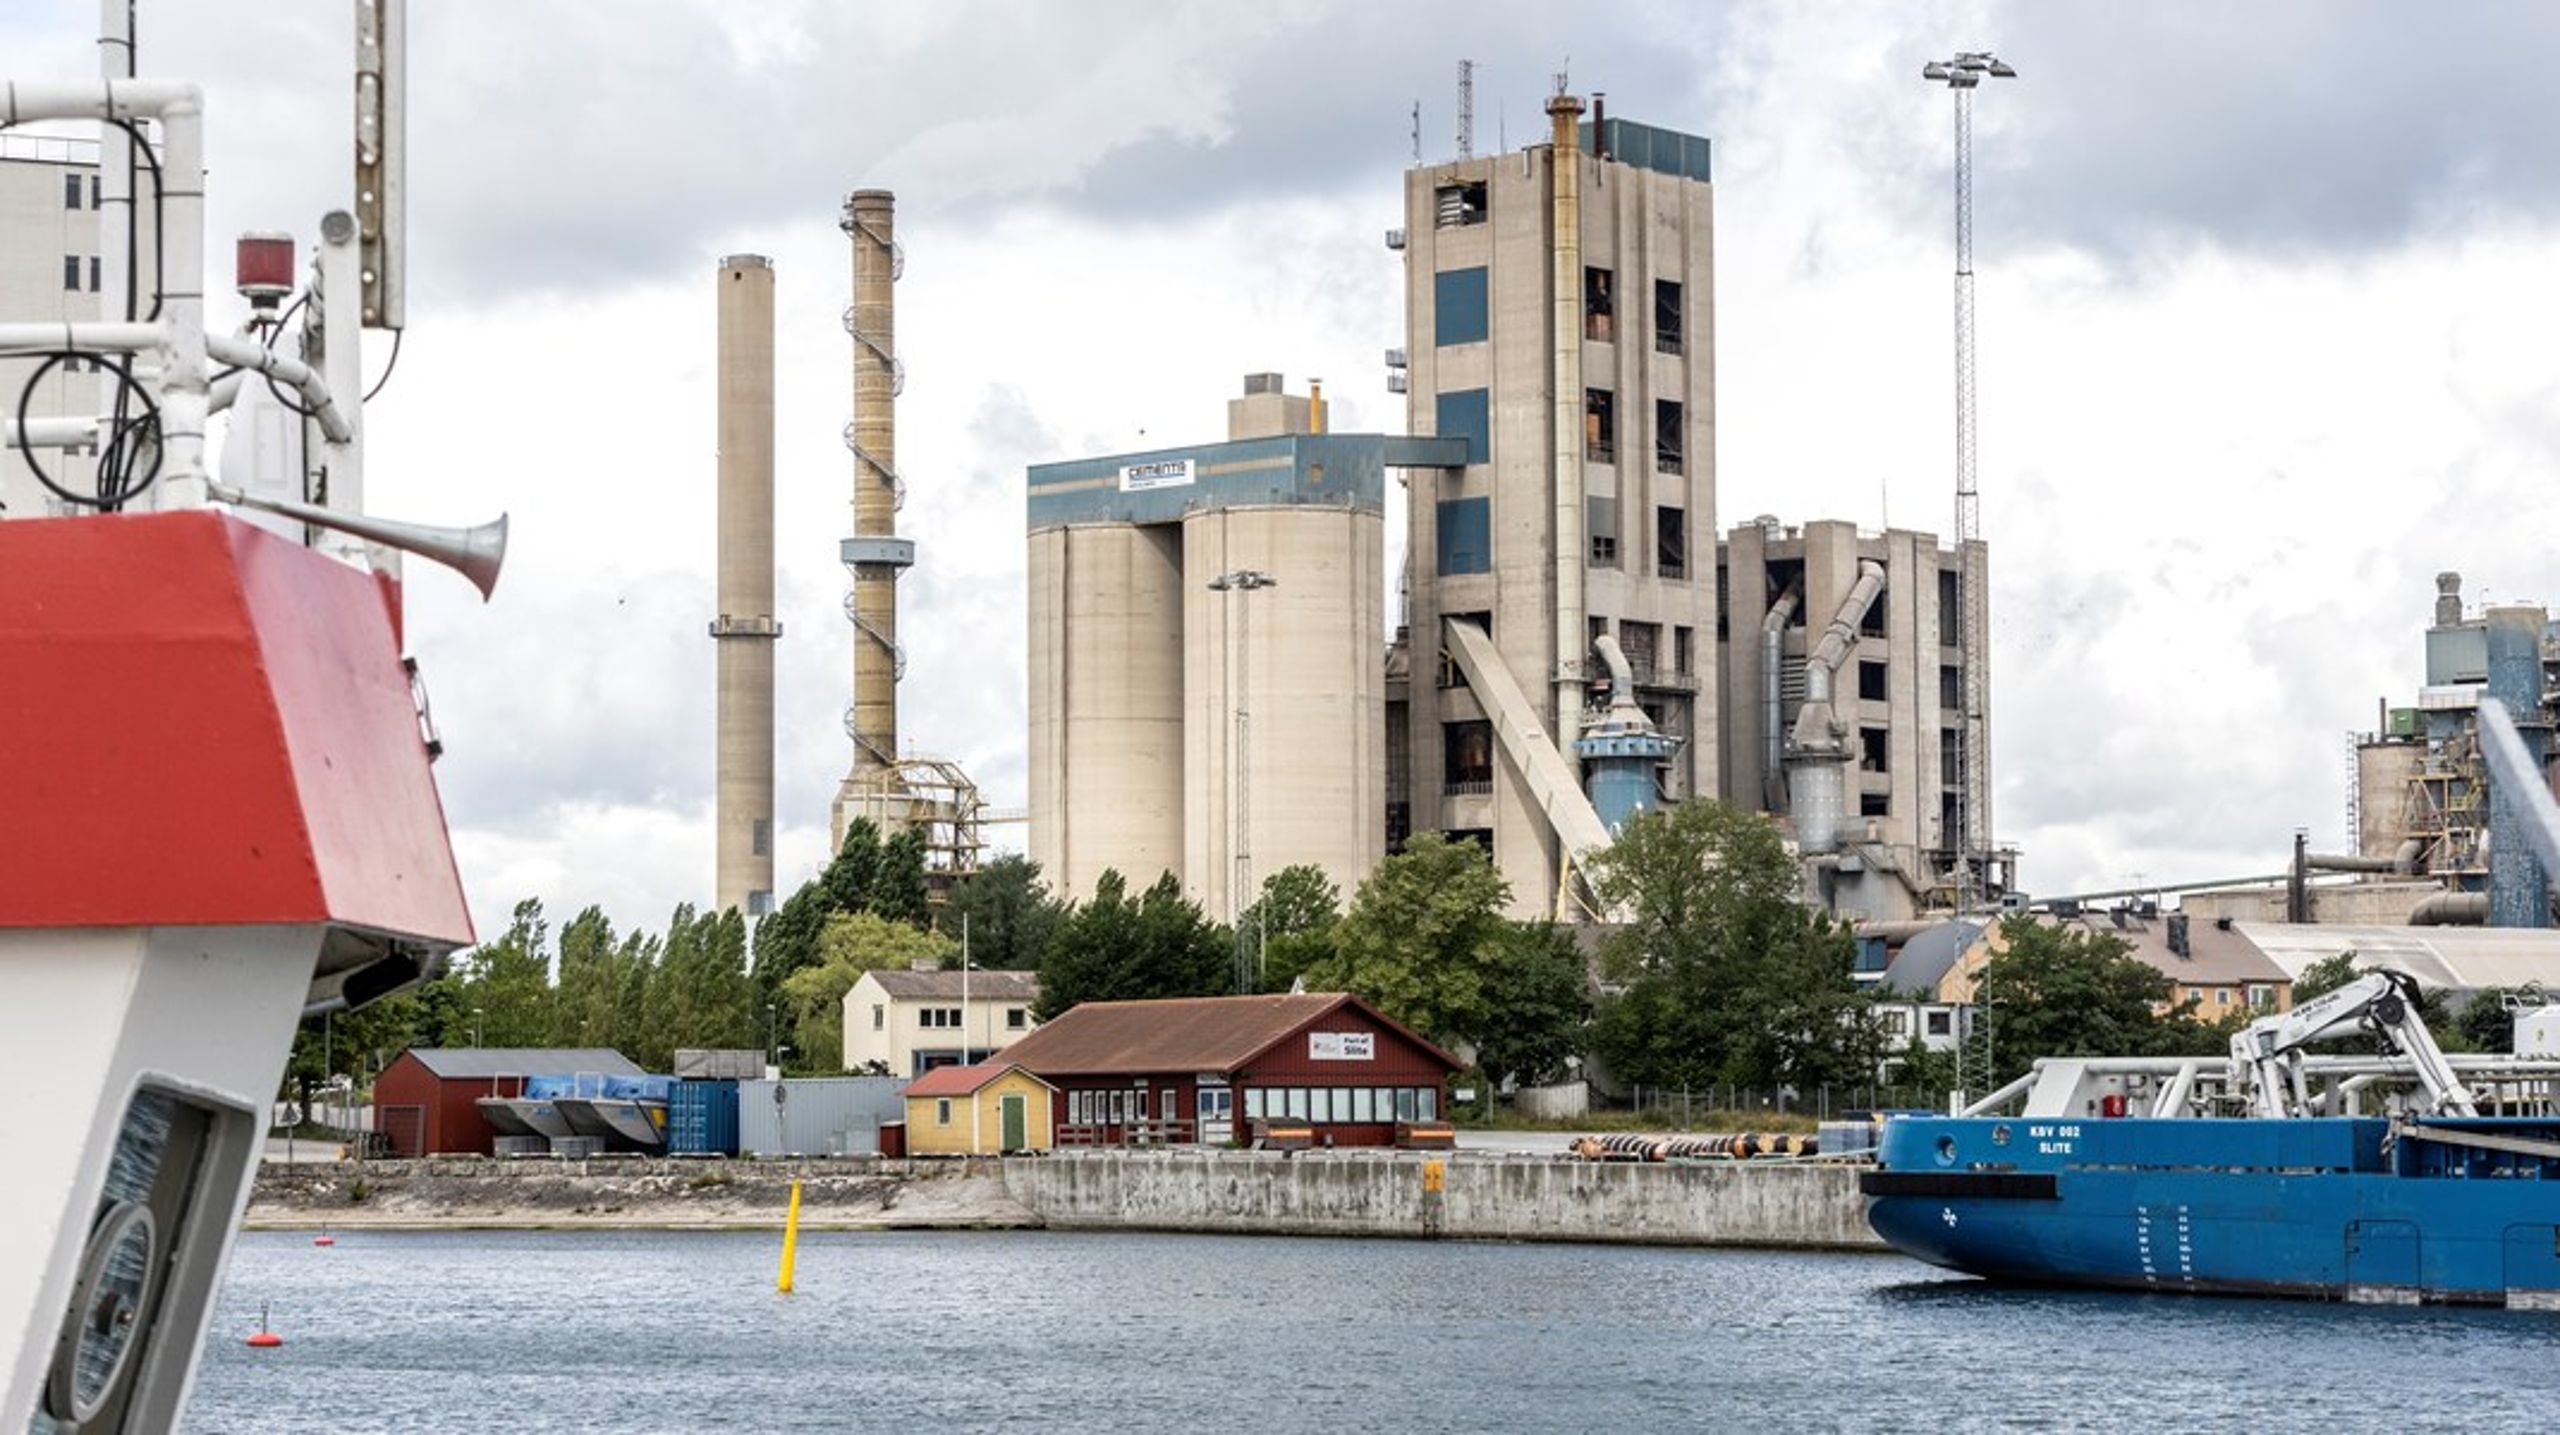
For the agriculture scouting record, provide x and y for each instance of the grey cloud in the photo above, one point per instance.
(2283, 127)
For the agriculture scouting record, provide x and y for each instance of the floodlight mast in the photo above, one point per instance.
(1972, 837)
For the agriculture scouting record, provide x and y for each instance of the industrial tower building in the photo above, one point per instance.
(1871, 790)
(1560, 318)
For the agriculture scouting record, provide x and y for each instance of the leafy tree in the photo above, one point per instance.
(787, 938)
(699, 994)
(1722, 975)
(848, 879)
(583, 1009)
(853, 943)
(897, 883)
(1119, 948)
(1291, 924)
(1010, 914)
(506, 988)
(2485, 1023)
(1540, 1002)
(2055, 991)
(1422, 940)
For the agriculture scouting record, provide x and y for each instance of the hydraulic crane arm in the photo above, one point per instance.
(2266, 1057)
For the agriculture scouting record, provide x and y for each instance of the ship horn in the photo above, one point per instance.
(475, 553)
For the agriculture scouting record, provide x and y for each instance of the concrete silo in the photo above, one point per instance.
(1106, 674)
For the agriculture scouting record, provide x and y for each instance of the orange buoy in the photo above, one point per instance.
(263, 1338)
(324, 1239)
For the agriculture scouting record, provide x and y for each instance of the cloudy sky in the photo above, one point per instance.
(2266, 300)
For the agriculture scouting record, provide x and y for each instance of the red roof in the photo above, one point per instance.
(962, 1080)
(203, 723)
(1185, 1033)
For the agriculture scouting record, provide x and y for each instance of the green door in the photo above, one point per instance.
(1012, 1123)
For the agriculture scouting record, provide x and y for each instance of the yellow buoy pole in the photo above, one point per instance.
(790, 1241)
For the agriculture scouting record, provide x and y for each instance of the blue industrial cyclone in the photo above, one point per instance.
(2463, 1210)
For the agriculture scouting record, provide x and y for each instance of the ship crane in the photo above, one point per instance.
(2266, 1057)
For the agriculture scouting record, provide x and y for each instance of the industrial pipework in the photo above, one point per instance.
(745, 629)
(1621, 750)
(1773, 632)
(875, 554)
(1565, 181)
(1816, 756)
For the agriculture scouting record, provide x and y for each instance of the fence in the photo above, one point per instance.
(1686, 1105)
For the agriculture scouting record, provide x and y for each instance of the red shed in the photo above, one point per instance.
(424, 1101)
(1201, 1069)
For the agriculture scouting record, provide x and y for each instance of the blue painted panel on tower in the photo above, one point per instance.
(1458, 306)
(1467, 414)
(1466, 535)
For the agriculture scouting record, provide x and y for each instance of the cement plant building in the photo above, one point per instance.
(1572, 643)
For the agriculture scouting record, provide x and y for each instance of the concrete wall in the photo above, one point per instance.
(1484, 1198)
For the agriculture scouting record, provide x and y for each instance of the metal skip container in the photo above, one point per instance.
(817, 1116)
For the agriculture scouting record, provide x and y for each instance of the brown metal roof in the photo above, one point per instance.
(961, 1080)
(1183, 1033)
(476, 1063)
(993, 986)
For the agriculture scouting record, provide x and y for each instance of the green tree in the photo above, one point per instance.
(2450, 1028)
(787, 938)
(2056, 991)
(699, 994)
(1119, 948)
(506, 986)
(583, 1008)
(1009, 912)
(1422, 940)
(813, 997)
(1291, 924)
(849, 877)
(2485, 1022)
(1722, 975)
(897, 885)
(1539, 1004)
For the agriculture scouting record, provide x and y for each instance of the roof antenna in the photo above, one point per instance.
(1417, 132)
(1466, 109)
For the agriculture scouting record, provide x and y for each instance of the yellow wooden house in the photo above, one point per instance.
(983, 1110)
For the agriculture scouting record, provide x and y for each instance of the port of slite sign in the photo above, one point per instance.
(1342, 1046)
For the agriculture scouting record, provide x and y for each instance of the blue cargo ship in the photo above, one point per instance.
(2353, 1208)
(2259, 1175)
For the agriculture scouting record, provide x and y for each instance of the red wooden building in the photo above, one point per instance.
(424, 1102)
(1202, 1069)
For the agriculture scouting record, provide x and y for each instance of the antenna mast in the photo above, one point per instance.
(1466, 109)
(1972, 837)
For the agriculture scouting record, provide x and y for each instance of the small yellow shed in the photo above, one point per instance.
(981, 1110)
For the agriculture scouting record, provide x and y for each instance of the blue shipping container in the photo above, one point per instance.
(702, 1118)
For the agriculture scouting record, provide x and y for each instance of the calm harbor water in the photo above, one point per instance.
(650, 1331)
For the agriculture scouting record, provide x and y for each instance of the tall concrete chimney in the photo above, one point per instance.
(745, 631)
(875, 555)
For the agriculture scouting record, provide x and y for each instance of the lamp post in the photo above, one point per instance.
(1242, 581)
(1962, 75)
(475, 1026)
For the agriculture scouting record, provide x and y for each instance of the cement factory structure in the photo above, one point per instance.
(1207, 696)
(745, 630)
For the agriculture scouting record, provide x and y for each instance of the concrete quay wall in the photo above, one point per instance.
(1481, 1197)
(1336, 1193)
